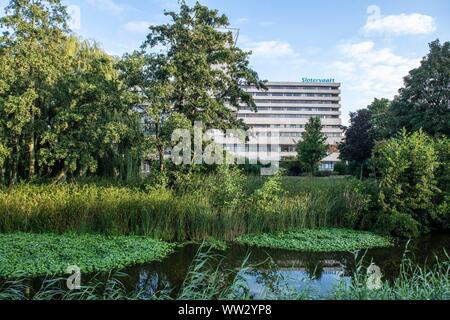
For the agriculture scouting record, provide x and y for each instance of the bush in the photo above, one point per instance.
(267, 199)
(341, 168)
(441, 215)
(408, 184)
(292, 167)
(399, 225)
(323, 174)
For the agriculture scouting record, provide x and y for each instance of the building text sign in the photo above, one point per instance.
(311, 80)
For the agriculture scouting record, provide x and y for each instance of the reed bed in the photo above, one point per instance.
(178, 216)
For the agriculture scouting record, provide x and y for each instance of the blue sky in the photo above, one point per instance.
(369, 46)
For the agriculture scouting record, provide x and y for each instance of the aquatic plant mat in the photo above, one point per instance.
(317, 240)
(34, 255)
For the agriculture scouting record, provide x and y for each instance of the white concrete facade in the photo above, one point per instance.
(286, 107)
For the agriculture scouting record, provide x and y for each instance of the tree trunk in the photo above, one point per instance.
(32, 157)
(161, 159)
(362, 171)
(62, 175)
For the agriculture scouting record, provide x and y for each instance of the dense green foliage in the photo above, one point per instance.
(423, 103)
(33, 255)
(188, 69)
(200, 209)
(317, 240)
(67, 108)
(64, 107)
(312, 147)
(358, 143)
(411, 197)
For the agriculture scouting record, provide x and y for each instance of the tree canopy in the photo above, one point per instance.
(424, 101)
(199, 66)
(312, 148)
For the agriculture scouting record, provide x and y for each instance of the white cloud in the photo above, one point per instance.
(271, 50)
(401, 24)
(137, 26)
(107, 5)
(367, 73)
(74, 13)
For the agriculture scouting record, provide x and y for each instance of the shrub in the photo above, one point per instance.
(323, 174)
(398, 224)
(341, 168)
(408, 185)
(267, 199)
(441, 215)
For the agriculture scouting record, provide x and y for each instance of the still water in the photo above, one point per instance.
(271, 270)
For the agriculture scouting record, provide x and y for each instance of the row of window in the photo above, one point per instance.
(241, 148)
(297, 101)
(277, 94)
(292, 109)
(285, 116)
(292, 126)
(326, 166)
(281, 87)
(293, 134)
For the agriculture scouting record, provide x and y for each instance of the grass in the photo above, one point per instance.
(173, 215)
(413, 283)
(317, 240)
(35, 255)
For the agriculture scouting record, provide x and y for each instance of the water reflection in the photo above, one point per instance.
(276, 272)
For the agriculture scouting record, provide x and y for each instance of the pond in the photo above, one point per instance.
(272, 269)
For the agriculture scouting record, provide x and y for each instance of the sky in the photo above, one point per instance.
(368, 46)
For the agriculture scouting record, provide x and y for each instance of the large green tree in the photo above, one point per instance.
(199, 67)
(424, 100)
(90, 118)
(65, 106)
(31, 61)
(358, 143)
(312, 147)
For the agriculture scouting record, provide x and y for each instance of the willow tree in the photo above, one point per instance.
(31, 60)
(199, 68)
(91, 116)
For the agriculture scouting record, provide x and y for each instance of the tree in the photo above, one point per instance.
(358, 144)
(31, 58)
(64, 105)
(90, 118)
(424, 100)
(408, 182)
(3, 155)
(380, 119)
(200, 70)
(312, 148)
(442, 199)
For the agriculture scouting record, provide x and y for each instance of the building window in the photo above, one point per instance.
(327, 166)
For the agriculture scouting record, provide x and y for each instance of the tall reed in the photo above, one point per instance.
(176, 215)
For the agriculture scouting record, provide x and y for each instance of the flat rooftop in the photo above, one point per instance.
(312, 84)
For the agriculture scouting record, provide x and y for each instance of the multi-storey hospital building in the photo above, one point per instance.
(284, 110)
